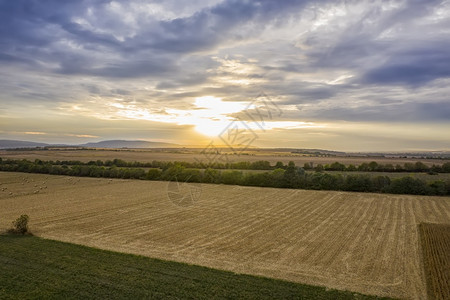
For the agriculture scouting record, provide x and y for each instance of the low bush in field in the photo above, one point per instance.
(20, 225)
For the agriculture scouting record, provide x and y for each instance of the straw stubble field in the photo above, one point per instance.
(366, 243)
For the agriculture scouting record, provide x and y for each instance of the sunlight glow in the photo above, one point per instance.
(209, 116)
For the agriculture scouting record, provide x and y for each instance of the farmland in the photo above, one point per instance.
(192, 155)
(361, 242)
(435, 242)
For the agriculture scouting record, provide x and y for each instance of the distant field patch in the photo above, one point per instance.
(435, 240)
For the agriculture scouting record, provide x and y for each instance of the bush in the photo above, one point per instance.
(21, 224)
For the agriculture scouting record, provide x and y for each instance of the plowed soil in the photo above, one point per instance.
(435, 240)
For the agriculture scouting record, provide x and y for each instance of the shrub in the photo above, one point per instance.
(21, 224)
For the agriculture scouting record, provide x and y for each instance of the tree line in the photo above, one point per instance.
(256, 165)
(289, 177)
(376, 167)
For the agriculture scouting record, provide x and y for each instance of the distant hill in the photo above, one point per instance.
(8, 144)
(128, 144)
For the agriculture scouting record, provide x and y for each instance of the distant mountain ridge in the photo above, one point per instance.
(6, 144)
(11, 144)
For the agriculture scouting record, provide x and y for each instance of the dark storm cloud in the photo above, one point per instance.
(30, 31)
(404, 112)
(28, 22)
(304, 92)
(34, 30)
(147, 68)
(414, 67)
(209, 27)
(415, 55)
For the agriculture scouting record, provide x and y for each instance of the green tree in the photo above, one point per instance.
(291, 178)
(277, 176)
(373, 166)
(438, 187)
(446, 167)
(358, 183)
(308, 166)
(388, 168)
(318, 168)
(153, 174)
(257, 179)
(336, 166)
(260, 165)
(279, 165)
(325, 181)
(409, 185)
(409, 167)
(381, 183)
(399, 168)
(231, 177)
(173, 172)
(211, 176)
(138, 173)
(421, 167)
(351, 168)
(191, 175)
(363, 167)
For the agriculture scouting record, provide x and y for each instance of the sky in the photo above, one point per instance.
(337, 75)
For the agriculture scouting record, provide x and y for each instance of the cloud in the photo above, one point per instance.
(99, 38)
(82, 135)
(413, 67)
(35, 132)
(353, 61)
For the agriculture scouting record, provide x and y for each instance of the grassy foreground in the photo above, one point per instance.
(32, 267)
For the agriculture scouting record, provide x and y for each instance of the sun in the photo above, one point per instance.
(212, 114)
(211, 128)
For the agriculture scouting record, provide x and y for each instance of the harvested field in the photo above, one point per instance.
(435, 241)
(193, 155)
(362, 242)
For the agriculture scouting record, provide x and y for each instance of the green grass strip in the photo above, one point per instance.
(32, 267)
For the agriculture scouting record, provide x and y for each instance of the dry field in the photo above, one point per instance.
(367, 243)
(435, 241)
(142, 155)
